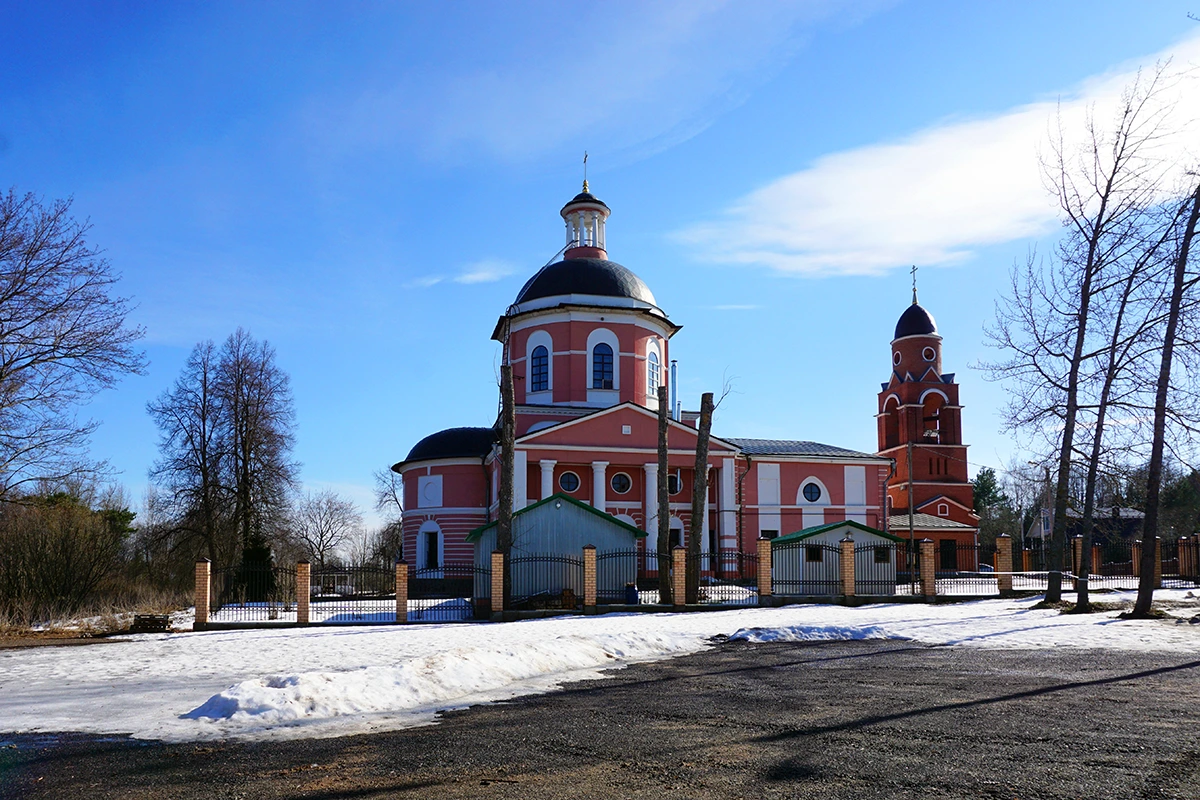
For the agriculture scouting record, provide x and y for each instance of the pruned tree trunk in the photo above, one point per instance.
(1179, 286)
(665, 595)
(699, 499)
(504, 535)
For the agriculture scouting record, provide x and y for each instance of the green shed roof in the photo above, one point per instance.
(830, 526)
(474, 535)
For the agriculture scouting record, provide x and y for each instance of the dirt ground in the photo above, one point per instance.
(857, 720)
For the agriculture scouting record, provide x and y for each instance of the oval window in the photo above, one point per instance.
(928, 354)
(620, 483)
(812, 492)
(896, 358)
(674, 485)
(568, 482)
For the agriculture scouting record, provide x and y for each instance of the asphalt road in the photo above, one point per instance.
(853, 720)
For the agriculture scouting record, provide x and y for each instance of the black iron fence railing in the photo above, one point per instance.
(256, 593)
(449, 593)
(805, 569)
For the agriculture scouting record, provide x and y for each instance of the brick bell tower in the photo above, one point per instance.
(920, 428)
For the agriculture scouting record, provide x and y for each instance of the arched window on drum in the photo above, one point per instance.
(539, 370)
(602, 366)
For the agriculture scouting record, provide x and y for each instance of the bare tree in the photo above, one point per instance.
(323, 522)
(387, 542)
(63, 338)
(259, 419)
(192, 453)
(699, 498)
(1106, 189)
(1181, 284)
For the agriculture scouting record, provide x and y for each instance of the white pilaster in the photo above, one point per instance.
(547, 466)
(650, 500)
(520, 480)
(598, 484)
(727, 506)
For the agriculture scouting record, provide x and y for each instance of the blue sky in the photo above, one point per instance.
(368, 185)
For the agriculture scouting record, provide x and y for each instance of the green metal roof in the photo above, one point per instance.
(846, 523)
(475, 535)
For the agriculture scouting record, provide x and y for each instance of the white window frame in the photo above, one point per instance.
(539, 338)
(427, 527)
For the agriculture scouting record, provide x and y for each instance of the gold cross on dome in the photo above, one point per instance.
(914, 280)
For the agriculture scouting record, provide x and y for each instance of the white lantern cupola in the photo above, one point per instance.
(585, 216)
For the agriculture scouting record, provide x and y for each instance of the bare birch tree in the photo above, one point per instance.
(324, 522)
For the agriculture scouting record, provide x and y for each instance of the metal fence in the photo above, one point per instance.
(886, 569)
(352, 595)
(964, 569)
(622, 577)
(805, 569)
(546, 580)
(449, 593)
(726, 577)
(253, 593)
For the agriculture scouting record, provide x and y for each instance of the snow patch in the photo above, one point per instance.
(814, 633)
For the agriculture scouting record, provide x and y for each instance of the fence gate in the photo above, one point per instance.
(884, 569)
(253, 593)
(352, 595)
(726, 577)
(546, 580)
(449, 593)
(805, 569)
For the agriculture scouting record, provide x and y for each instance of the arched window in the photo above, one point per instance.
(602, 367)
(429, 546)
(653, 373)
(539, 370)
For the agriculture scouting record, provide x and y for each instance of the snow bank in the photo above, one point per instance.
(421, 686)
(340, 680)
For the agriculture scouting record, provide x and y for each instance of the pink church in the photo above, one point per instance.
(589, 347)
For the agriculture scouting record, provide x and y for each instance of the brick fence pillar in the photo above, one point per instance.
(1158, 562)
(1135, 555)
(1004, 563)
(1097, 559)
(203, 591)
(589, 576)
(402, 591)
(928, 576)
(764, 568)
(1027, 560)
(303, 591)
(846, 565)
(679, 575)
(497, 581)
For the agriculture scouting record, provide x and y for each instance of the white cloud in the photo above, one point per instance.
(486, 271)
(929, 199)
(424, 282)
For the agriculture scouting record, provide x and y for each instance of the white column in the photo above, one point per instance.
(520, 480)
(547, 466)
(727, 506)
(598, 484)
(650, 500)
(704, 526)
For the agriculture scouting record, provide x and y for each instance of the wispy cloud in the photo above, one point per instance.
(929, 199)
(642, 73)
(486, 271)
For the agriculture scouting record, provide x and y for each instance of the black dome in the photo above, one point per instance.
(586, 197)
(915, 321)
(453, 443)
(585, 276)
